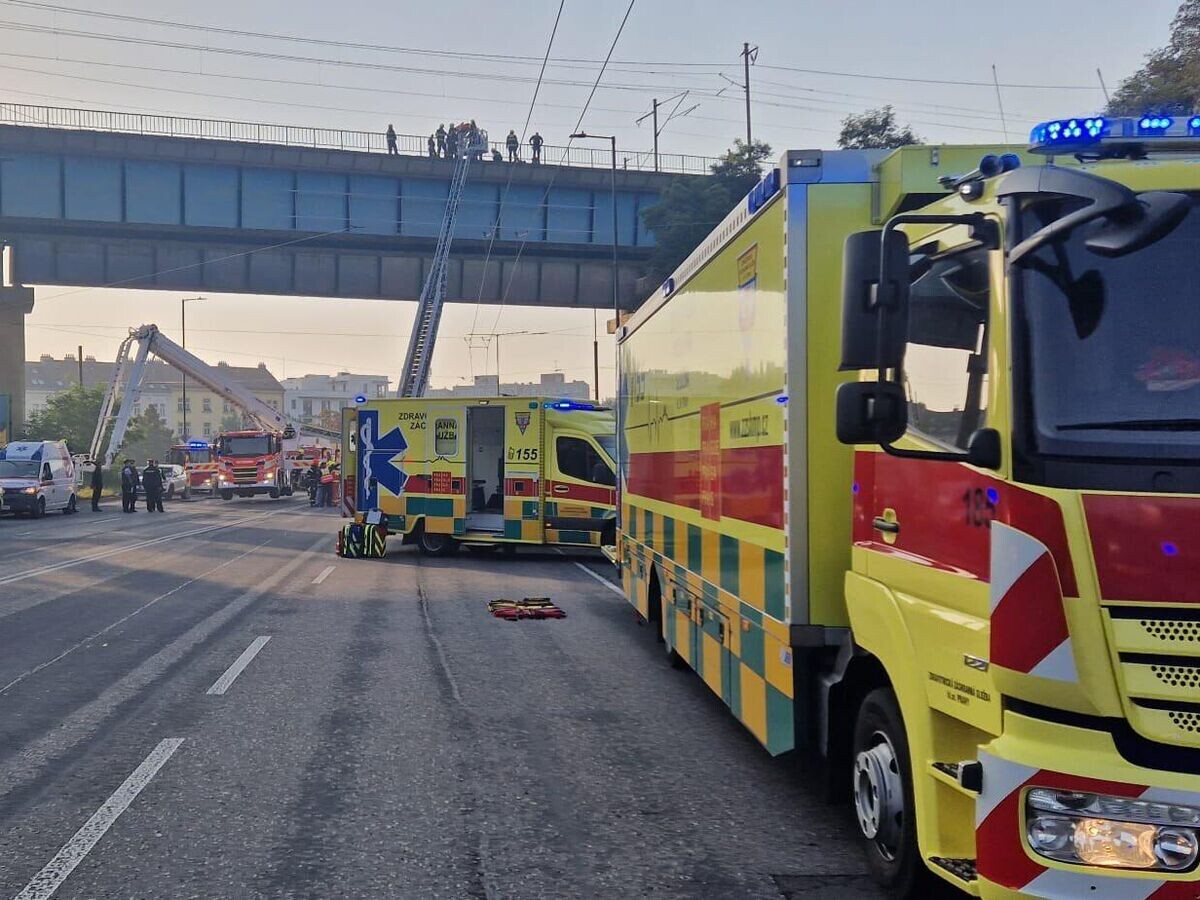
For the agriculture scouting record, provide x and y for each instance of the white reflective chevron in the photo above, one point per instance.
(1058, 665)
(1013, 552)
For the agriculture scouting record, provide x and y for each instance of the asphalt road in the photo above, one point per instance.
(208, 703)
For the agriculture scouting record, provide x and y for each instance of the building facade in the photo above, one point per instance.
(550, 384)
(162, 390)
(320, 399)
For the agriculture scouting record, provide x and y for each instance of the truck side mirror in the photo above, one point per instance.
(871, 412)
(874, 313)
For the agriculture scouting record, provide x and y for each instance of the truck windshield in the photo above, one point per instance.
(258, 445)
(608, 443)
(1112, 346)
(18, 468)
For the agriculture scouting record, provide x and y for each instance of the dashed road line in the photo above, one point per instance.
(103, 631)
(325, 573)
(222, 684)
(604, 581)
(44, 884)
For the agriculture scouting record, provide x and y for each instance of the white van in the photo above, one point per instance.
(37, 477)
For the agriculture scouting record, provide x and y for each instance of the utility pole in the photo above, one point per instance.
(749, 54)
(654, 112)
(80, 358)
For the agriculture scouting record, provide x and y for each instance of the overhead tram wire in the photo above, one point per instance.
(508, 183)
(554, 174)
(379, 66)
(502, 57)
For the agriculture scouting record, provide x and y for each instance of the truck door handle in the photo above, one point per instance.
(561, 489)
(886, 525)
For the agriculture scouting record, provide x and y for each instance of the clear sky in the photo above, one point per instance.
(668, 46)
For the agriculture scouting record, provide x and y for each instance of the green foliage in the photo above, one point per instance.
(875, 129)
(68, 416)
(150, 439)
(1169, 81)
(691, 207)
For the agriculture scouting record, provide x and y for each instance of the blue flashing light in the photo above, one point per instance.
(360, 398)
(781, 399)
(571, 404)
(993, 496)
(1153, 124)
(197, 445)
(1069, 132)
(1194, 124)
(854, 488)
(1169, 548)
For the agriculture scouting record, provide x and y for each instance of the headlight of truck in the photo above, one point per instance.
(1115, 832)
(29, 490)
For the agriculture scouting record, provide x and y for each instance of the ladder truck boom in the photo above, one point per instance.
(125, 388)
(415, 375)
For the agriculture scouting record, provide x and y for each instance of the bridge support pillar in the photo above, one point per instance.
(15, 304)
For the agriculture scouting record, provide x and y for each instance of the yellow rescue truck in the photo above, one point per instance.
(909, 469)
(487, 471)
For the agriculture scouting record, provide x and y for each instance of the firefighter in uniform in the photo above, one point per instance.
(152, 481)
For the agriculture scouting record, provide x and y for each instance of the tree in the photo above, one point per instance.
(690, 208)
(1169, 82)
(147, 438)
(68, 416)
(875, 129)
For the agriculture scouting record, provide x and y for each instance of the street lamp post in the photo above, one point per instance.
(183, 302)
(612, 139)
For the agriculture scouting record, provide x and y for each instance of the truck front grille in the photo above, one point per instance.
(1158, 651)
(245, 474)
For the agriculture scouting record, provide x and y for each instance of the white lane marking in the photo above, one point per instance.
(103, 631)
(104, 554)
(54, 873)
(604, 581)
(325, 573)
(221, 685)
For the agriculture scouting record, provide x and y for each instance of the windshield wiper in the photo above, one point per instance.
(1135, 425)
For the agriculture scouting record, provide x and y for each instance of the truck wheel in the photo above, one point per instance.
(883, 797)
(39, 510)
(187, 492)
(436, 544)
(273, 493)
(226, 495)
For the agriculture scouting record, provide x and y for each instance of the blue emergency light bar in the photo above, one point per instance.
(571, 404)
(1088, 132)
(197, 445)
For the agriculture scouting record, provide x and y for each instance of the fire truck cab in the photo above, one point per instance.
(252, 462)
(198, 462)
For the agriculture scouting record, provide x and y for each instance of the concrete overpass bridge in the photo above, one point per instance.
(107, 199)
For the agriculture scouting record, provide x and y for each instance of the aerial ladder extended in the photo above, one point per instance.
(125, 388)
(415, 375)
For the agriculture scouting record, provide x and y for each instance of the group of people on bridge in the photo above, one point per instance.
(150, 480)
(467, 137)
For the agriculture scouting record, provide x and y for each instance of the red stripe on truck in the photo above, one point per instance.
(1146, 548)
(751, 481)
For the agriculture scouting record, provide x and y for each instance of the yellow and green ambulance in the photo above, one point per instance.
(483, 471)
(910, 475)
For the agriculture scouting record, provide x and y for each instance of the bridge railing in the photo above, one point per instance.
(324, 138)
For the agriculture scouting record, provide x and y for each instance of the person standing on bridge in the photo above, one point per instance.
(97, 484)
(432, 142)
(452, 143)
(535, 143)
(391, 141)
(513, 143)
(129, 486)
(152, 481)
(440, 134)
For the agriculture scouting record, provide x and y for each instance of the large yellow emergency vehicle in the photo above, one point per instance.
(487, 471)
(921, 498)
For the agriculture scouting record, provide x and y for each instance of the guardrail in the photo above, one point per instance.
(325, 138)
